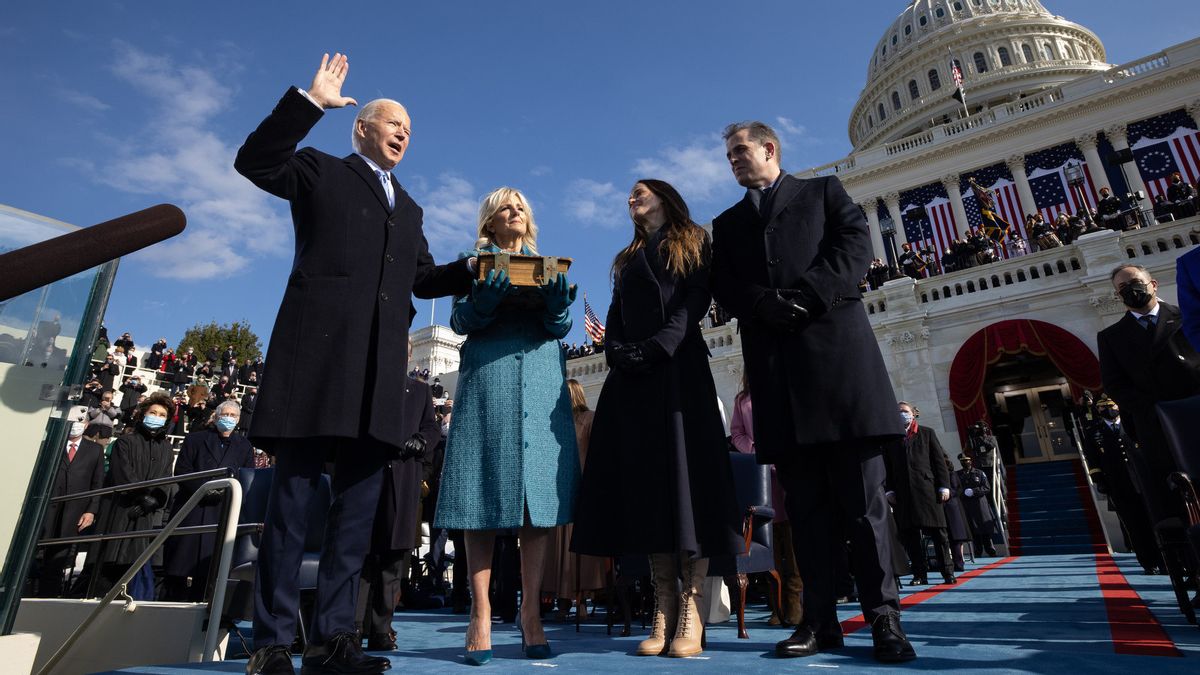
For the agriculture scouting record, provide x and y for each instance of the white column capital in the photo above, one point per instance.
(1193, 109)
(892, 200)
(1116, 134)
(1086, 142)
(1016, 163)
(952, 182)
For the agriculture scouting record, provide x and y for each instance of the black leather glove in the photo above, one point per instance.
(414, 448)
(136, 511)
(637, 357)
(781, 312)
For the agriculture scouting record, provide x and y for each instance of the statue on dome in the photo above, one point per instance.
(993, 225)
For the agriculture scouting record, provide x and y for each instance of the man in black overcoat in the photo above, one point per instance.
(360, 256)
(976, 500)
(1106, 447)
(397, 517)
(787, 260)
(1145, 358)
(918, 483)
(80, 469)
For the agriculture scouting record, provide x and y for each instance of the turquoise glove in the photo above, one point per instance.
(487, 294)
(559, 294)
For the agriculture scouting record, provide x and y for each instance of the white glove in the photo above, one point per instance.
(969, 492)
(944, 494)
(891, 497)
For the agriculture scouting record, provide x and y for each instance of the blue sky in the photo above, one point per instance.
(112, 107)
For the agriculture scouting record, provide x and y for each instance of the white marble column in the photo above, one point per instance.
(1016, 165)
(1193, 109)
(1087, 145)
(953, 188)
(1120, 141)
(871, 208)
(892, 201)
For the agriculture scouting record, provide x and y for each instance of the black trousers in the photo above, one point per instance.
(382, 577)
(357, 480)
(916, 551)
(834, 493)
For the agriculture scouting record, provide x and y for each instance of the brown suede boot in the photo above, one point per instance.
(666, 606)
(689, 635)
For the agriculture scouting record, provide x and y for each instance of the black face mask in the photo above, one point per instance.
(1109, 413)
(1135, 294)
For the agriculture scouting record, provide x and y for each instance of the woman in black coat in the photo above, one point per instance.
(212, 447)
(143, 453)
(658, 480)
(918, 483)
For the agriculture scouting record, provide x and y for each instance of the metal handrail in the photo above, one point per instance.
(218, 601)
(244, 528)
(223, 472)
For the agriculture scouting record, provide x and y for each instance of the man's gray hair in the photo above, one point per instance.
(760, 132)
(228, 405)
(368, 112)
(1128, 266)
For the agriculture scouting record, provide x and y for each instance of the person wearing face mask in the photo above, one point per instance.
(917, 485)
(142, 453)
(80, 469)
(1145, 358)
(213, 447)
(1106, 447)
(975, 490)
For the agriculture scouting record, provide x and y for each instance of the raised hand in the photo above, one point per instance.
(326, 88)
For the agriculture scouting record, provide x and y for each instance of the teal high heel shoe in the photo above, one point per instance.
(541, 651)
(478, 657)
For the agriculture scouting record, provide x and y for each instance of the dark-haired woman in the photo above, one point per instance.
(143, 453)
(658, 479)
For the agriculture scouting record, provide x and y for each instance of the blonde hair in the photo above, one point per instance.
(492, 203)
(578, 399)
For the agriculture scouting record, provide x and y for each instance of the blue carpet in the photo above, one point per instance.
(1036, 614)
(1052, 518)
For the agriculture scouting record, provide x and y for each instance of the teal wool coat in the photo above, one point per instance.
(511, 443)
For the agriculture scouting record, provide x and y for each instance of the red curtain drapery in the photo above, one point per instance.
(987, 346)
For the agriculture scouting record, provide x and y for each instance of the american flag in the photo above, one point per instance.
(591, 324)
(960, 93)
(1051, 193)
(1164, 145)
(939, 228)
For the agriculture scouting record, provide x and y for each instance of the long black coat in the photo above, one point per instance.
(978, 504)
(956, 514)
(916, 468)
(829, 379)
(137, 456)
(395, 526)
(201, 451)
(348, 297)
(1138, 371)
(84, 473)
(658, 477)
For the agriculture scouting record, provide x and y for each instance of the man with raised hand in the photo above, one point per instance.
(360, 256)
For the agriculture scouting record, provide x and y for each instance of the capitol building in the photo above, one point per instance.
(1012, 342)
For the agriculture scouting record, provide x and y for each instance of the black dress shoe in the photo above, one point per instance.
(804, 642)
(341, 654)
(382, 642)
(919, 581)
(273, 660)
(948, 578)
(891, 644)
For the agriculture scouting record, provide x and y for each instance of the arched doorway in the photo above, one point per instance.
(1024, 377)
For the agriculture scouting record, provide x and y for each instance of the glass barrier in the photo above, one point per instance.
(46, 341)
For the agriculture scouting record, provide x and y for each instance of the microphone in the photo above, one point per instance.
(36, 265)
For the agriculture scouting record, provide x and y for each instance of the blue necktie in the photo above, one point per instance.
(1148, 321)
(386, 179)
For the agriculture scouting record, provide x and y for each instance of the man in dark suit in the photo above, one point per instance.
(81, 469)
(398, 517)
(786, 261)
(360, 256)
(1145, 358)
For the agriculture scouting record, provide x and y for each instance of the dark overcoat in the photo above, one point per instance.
(84, 473)
(346, 306)
(978, 504)
(202, 450)
(956, 515)
(658, 477)
(916, 468)
(396, 521)
(1139, 370)
(828, 379)
(137, 456)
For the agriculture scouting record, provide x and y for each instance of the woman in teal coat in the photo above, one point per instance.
(511, 456)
